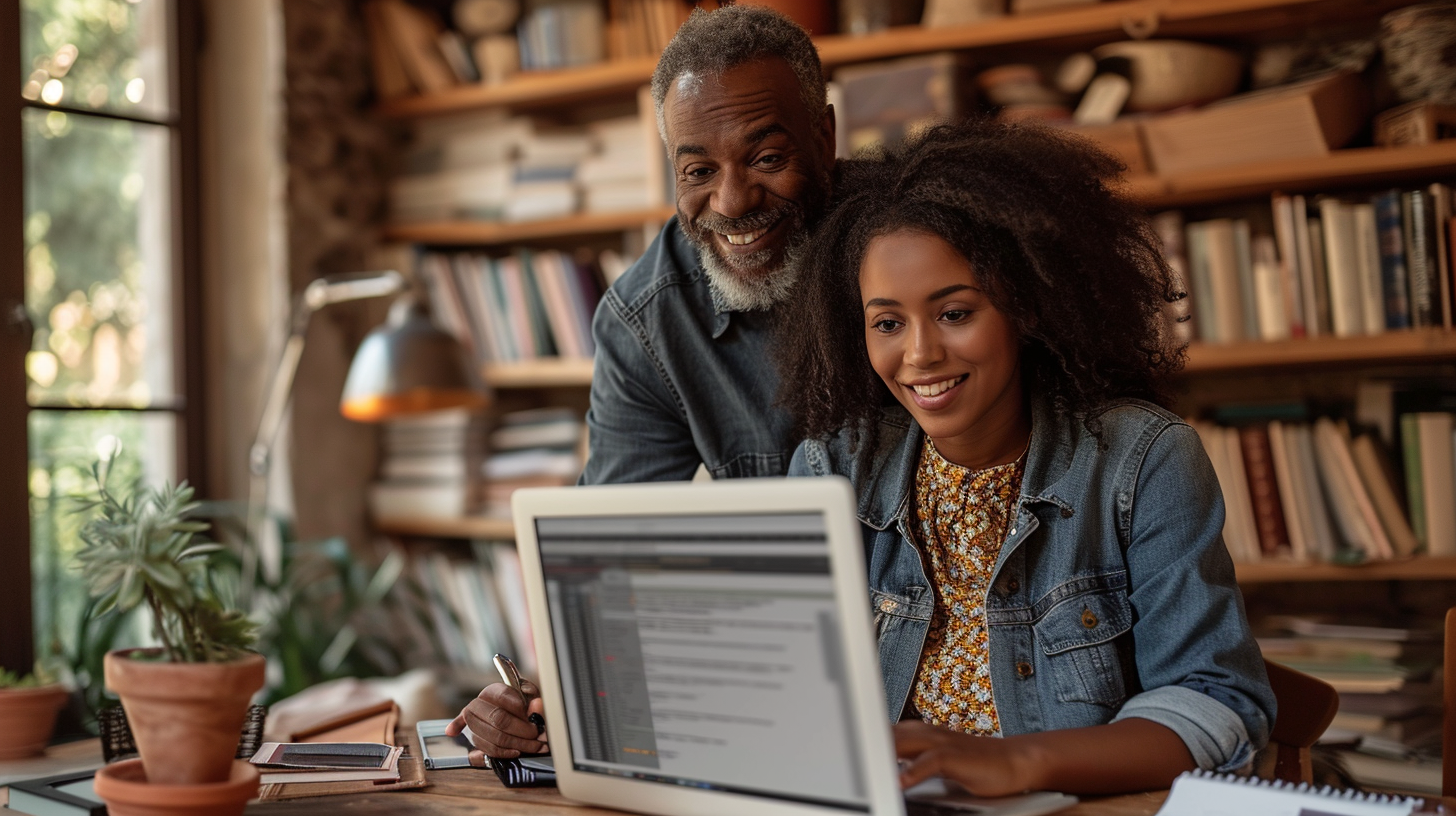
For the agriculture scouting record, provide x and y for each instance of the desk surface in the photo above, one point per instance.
(468, 791)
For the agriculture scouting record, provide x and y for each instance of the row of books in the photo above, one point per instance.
(1331, 265)
(1386, 733)
(495, 168)
(425, 465)
(1313, 491)
(477, 605)
(523, 306)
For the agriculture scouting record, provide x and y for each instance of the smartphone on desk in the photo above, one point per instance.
(441, 751)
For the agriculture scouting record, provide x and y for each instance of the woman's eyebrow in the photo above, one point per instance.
(950, 290)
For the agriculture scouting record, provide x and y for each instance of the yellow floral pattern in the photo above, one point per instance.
(961, 516)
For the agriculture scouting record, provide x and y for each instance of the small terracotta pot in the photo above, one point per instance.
(27, 717)
(123, 786)
(186, 718)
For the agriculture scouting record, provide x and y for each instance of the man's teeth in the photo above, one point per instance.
(936, 388)
(744, 237)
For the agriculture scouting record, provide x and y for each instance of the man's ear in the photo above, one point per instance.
(827, 133)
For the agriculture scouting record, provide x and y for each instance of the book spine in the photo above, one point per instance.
(1415, 492)
(1440, 197)
(1263, 488)
(1367, 255)
(1393, 275)
(1425, 311)
(1289, 272)
(1205, 322)
(1244, 257)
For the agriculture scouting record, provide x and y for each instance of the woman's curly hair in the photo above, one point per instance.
(1072, 264)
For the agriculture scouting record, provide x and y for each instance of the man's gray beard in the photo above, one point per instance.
(762, 289)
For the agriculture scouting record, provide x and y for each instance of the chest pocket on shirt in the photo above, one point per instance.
(1077, 636)
(752, 466)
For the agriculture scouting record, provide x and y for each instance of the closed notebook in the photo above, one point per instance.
(1193, 793)
(411, 775)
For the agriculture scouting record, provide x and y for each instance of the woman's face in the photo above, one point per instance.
(946, 353)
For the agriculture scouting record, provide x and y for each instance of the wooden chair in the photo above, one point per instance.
(1306, 708)
(1448, 709)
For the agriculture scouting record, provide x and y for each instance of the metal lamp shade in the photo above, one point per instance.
(409, 366)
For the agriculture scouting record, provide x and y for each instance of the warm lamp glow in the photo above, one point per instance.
(409, 366)
(418, 401)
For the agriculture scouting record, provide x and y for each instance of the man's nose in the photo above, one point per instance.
(737, 194)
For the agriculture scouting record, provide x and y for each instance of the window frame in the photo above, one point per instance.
(17, 647)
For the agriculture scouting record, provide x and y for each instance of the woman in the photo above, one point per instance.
(978, 344)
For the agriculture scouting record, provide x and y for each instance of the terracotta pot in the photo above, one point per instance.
(186, 718)
(123, 786)
(27, 716)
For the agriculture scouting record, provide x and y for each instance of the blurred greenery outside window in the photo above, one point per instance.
(100, 137)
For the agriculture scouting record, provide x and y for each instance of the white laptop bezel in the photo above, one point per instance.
(831, 496)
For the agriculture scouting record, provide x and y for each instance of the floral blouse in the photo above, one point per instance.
(961, 517)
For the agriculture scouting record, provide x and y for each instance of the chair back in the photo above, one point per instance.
(1448, 709)
(1306, 707)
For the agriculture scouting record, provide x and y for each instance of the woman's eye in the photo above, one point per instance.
(885, 326)
(955, 315)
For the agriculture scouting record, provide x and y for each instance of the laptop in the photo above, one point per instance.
(708, 649)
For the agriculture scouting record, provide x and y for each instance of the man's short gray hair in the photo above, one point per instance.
(712, 42)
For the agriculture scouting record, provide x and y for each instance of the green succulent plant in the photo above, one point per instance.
(12, 680)
(145, 550)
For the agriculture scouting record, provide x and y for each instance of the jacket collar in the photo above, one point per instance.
(890, 476)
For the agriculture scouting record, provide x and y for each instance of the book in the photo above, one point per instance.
(1382, 495)
(1280, 457)
(1263, 488)
(1250, 796)
(415, 34)
(1367, 259)
(1337, 438)
(1437, 480)
(1393, 274)
(1289, 271)
(1342, 264)
(1416, 776)
(290, 763)
(1420, 259)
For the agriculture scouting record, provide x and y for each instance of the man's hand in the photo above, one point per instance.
(984, 766)
(498, 721)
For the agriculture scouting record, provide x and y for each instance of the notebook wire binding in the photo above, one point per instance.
(1397, 803)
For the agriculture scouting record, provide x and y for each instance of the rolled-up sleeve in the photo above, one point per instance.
(1195, 655)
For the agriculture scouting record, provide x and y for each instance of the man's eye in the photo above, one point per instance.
(771, 160)
(697, 172)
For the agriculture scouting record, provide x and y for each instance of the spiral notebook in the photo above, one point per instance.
(1200, 793)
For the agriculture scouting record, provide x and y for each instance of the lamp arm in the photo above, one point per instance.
(319, 293)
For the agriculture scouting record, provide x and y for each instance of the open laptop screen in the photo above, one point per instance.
(703, 650)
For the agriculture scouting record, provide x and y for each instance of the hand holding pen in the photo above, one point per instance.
(506, 719)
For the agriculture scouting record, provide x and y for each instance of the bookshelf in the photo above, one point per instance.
(1005, 39)
(1063, 29)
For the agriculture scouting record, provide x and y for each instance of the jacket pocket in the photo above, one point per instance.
(1078, 637)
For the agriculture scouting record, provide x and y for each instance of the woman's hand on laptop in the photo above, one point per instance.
(501, 722)
(985, 766)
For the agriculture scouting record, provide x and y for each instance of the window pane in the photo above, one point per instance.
(63, 447)
(99, 54)
(98, 276)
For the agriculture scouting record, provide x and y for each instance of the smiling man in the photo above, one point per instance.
(683, 370)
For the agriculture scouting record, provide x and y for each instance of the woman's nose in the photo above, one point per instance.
(924, 348)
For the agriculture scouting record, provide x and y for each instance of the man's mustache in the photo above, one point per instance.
(761, 219)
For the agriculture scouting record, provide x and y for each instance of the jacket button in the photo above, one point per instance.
(887, 605)
(1089, 618)
(1013, 532)
(1023, 669)
(1013, 585)
(1066, 512)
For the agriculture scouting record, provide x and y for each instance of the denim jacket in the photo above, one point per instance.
(679, 379)
(1113, 595)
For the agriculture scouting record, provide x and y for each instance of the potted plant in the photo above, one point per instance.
(28, 708)
(185, 700)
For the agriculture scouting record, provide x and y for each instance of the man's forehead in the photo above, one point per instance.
(765, 89)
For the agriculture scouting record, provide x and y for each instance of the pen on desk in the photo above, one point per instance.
(512, 678)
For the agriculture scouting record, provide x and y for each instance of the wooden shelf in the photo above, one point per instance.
(551, 372)
(1391, 347)
(483, 233)
(1083, 25)
(467, 527)
(1341, 168)
(1410, 569)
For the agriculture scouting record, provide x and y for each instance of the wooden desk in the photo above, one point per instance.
(467, 791)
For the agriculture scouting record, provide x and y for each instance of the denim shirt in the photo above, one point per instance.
(1113, 595)
(679, 379)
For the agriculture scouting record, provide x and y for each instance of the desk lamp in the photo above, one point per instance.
(405, 366)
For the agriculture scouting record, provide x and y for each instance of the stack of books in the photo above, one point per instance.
(541, 447)
(425, 471)
(1388, 727)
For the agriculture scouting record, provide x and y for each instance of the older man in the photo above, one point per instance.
(684, 373)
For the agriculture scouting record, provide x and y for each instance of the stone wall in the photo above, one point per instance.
(338, 157)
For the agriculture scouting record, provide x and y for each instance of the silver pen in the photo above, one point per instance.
(512, 677)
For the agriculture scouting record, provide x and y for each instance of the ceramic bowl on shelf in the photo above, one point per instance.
(1169, 74)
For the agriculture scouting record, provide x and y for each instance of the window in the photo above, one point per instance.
(108, 240)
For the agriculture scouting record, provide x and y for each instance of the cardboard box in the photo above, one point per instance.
(1296, 121)
(1415, 123)
(1123, 139)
